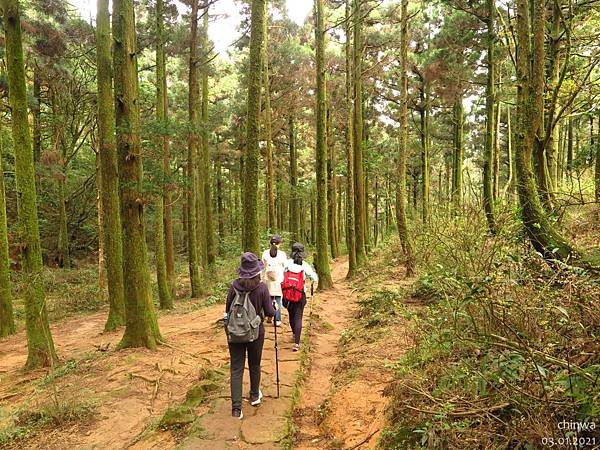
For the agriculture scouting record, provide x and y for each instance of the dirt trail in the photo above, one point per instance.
(130, 401)
(342, 403)
(335, 309)
(128, 406)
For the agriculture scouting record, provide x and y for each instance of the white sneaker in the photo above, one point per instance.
(257, 400)
(278, 323)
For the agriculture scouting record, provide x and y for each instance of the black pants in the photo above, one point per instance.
(237, 355)
(296, 311)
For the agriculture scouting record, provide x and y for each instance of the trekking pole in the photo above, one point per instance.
(276, 356)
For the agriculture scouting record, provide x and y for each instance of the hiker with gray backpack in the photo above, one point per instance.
(248, 301)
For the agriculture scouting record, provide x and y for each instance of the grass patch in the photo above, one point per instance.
(53, 413)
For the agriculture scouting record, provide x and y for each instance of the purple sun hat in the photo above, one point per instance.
(250, 265)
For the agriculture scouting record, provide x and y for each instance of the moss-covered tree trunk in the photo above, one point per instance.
(141, 325)
(458, 154)
(166, 169)
(109, 173)
(403, 144)
(211, 248)
(425, 143)
(530, 81)
(39, 339)
(359, 183)
(509, 186)
(270, 175)
(497, 118)
(36, 113)
(220, 194)
(192, 153)
(200, 174)
(350, 228)
(165, 288)
(63, 257)
(294, 204)
(322, 262)
(7, 320)
(490, 116)
(251, 156)
(550, 103)
(597, 168)
(331, 189)
(102, 276)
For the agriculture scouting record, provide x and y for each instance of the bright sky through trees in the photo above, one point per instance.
(228, 10)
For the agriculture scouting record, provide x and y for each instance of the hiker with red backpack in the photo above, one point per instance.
(274, 260)
(248, 300)
(296, 272)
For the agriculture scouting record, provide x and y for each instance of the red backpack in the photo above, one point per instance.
(292, 286)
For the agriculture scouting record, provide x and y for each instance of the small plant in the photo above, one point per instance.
(55, 412)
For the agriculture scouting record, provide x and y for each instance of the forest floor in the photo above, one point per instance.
(136, 398)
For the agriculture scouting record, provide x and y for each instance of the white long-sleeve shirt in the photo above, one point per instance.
(309, 273)
(277, 264)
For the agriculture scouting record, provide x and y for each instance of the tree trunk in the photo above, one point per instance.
(313, 218)
(331, 190)
(403, 144)
(570, 140)
(376, 224)
(359, 186)
(597, 168)
(36, 114)
(7, 320)
(64, 260)
(424, 115)
(294, 201)
(109, 172)
(220, 194)
(270, 175)
(210, 244)
(498, 109)
(251, 156)
(550, 104)
(509, 156)
(322, 262)
(544, 238)
(490, 100)
(141, 325)
(102, 276)
(350, 227)
(163, 118)
(459, 154)
(192, 153)
(39, 339)
(165, 285)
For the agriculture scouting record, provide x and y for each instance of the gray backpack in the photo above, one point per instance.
(243, 322)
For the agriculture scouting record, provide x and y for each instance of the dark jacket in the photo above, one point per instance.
(259, 297)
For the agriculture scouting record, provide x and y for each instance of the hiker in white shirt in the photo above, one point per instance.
(296, 264)
(274, 260)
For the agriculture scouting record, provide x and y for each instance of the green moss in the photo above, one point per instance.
(181, 415)
(41, 351)
(108, 174)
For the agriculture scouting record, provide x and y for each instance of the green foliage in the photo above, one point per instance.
(500, 331)
(69, 291)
